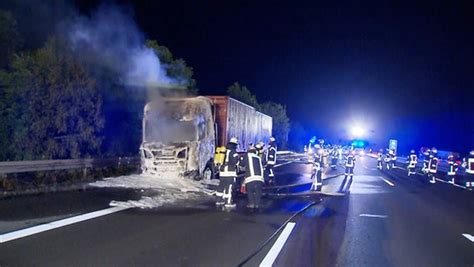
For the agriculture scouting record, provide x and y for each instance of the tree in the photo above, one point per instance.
(52, 107)
(281, 122)
(242, 93)
(175, 68)
(297, 137)
(9, 38)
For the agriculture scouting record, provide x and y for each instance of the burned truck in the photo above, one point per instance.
(180, 135)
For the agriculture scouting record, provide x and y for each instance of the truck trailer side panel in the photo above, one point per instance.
(235, 118)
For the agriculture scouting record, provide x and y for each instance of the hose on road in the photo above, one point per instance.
(276, 233)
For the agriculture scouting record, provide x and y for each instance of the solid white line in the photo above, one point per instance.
(387, 181)
(276, 248)
(373, 215)
(446, 182)
(56, 224)
(468, 236)
(400, 168)
(443, 181)
(460, 186)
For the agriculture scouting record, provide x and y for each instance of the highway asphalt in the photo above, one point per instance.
(382, 219)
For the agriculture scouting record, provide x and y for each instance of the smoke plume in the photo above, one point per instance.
(110, 39)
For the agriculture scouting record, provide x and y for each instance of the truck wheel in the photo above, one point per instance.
(207, 174)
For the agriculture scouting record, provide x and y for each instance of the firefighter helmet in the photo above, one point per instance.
(272, 139)
(434, 150)
(412, 151)
(233, 140)
(471, 153)
(252, 149)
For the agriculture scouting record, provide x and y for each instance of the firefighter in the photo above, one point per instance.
(260, 148)
(270, 160)
(412, 160)
(316, 176)
(388, 159)
(228, 174)
(452, 168)
(350, 164)
(433, 165)
(334, 158)
(253, 178)
(379, 159)
(426, 160)
(469, 165)
(393, 158)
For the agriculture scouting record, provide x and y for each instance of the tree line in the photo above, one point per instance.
(53, 105)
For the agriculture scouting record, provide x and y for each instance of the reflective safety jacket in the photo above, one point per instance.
(317, 163)
(379, 156)
(350, 161)
(231, 159)
(433, 164)
(271, 155)
(253, 168)
(452, 167)
(260, 152)
(469, 164)
(426, 157)
(412, 160)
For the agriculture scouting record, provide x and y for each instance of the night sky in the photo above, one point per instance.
(405, 71)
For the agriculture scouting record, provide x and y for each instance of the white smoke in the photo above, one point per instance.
(110, 38)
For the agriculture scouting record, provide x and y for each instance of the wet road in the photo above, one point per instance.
(384, 219)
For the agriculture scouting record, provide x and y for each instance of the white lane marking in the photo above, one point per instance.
(284, 163)
(468, 236)
(387, 181)
(443, 181)
(373, 215)
(460, 186)
(57, 224)
(400, 168)
(276, 248)
(446, 182)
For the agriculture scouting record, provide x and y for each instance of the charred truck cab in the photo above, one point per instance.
(180, 135)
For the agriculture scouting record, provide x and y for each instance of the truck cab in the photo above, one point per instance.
(178, 136)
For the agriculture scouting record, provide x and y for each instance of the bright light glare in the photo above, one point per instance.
(358, 131)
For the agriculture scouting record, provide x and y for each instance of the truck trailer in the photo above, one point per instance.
(182, 135)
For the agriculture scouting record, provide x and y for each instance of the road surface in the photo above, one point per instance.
(383, 219)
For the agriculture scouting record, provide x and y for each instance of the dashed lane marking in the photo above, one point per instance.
(57, 224)
(276, 248)
(387, 181)
(468, 236)
(373, 215)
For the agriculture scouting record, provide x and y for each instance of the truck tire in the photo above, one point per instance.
(207, 174)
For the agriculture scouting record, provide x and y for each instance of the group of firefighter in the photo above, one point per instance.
(430, 165)
(257, 166)
(334, 153)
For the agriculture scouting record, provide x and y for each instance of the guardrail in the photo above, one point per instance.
(64, 164)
